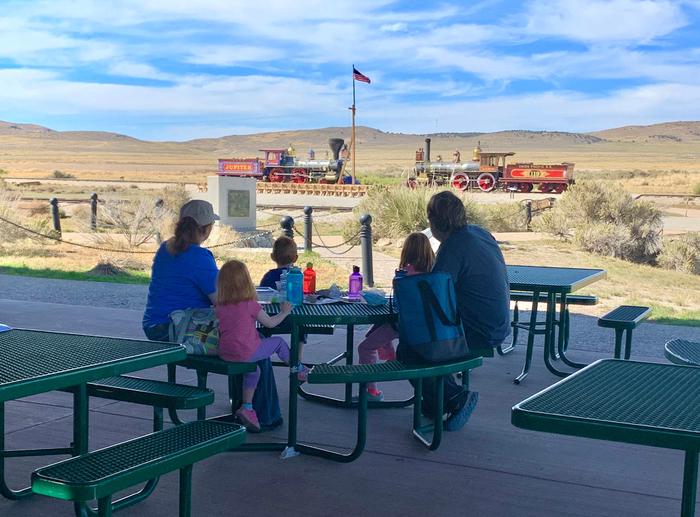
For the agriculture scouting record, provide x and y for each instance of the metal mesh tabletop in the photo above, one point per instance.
(34, 361)
(627, 401)
(682, 351)
(553, 279)
(342, 313)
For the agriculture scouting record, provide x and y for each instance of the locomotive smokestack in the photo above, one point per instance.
(336, 144)
(427, 149)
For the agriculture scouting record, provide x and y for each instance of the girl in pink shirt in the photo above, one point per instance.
(416, 257)
(237, 310)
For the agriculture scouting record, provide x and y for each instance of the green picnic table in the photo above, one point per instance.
(33, 362)
(556, 283)
(625, 401)
(346, 314)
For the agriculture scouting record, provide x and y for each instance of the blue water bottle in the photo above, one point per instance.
(295, 286)
(398, 274)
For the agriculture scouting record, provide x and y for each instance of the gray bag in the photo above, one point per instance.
(196, 329)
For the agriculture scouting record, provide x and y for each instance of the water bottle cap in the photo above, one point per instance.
(310, 265)
(355, 269)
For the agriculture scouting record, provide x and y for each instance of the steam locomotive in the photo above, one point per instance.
(282, 165)
(488, 171)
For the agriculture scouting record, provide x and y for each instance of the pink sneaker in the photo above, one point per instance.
(386, 353)
(248, 418)
(303, 373)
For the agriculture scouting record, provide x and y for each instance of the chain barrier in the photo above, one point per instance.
(107, 250)
(331, 248)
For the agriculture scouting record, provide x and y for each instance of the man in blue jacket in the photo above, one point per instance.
(472, 257)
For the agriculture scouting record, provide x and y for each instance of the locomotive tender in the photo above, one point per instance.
(488, 171)
(282, 165)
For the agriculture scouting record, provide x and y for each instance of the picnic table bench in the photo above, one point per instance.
(682, 351)
(624, 319)
(382, 372)
(99, 474)
(625, 401)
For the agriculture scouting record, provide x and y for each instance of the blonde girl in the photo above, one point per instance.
(237, 310)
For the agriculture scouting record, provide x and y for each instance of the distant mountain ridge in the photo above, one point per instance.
(680, 131)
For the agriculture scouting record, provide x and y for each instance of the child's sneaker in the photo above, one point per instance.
(248, 418)
(386, 353)
(302, 373)
(374, 395)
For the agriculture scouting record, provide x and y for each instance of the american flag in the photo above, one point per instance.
(358, 76)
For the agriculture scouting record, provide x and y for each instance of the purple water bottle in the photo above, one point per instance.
(355, 284)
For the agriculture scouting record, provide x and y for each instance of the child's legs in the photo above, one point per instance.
(269, 346)
(250, 382)
(378, 337)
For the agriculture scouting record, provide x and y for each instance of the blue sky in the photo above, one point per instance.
(180, 69)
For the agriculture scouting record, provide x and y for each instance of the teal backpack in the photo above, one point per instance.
(428, 319)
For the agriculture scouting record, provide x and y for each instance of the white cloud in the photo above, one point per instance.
(230, 55)
(394, 27)
(636, 21)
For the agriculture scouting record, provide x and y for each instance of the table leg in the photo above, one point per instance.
(562, 342)
(531, 331)
(349, 345)
(690, 483)
(290, 451)
(81, 415)
(6, 491)
(549, 335)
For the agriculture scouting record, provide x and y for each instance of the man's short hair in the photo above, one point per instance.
(284, 251)
(446, 212)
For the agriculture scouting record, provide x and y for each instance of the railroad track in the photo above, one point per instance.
(316, 189)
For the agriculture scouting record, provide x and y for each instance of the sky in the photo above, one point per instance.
(183, 69)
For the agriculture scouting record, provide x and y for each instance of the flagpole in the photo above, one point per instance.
(352, 141)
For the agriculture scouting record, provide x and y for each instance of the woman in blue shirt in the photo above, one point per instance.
(184, 277)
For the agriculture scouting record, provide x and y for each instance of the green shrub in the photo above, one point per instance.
(62, 175)
(696, 189)
(603, 218)
(682, 253)
(503, 217)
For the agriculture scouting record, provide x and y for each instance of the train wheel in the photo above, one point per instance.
(524, 187)
(300, 176)
(544, 187)
(557, 188)
(486, 181)
(276, 175)
(460, 181)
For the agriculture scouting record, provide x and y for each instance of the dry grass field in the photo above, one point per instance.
(663, 158)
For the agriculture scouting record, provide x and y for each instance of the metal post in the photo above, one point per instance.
(528, 214)
(287, 224)
(366, 247)
(308, 224)
(93, 211)
(55, 215)
(159, 207)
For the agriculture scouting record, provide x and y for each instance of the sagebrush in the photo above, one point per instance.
(603, 218)
(682, 253)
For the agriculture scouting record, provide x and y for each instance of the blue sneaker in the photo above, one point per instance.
(459, 418)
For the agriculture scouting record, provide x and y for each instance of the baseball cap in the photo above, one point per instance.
(199, 210)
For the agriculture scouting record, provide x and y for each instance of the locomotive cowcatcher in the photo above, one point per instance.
(488, 171)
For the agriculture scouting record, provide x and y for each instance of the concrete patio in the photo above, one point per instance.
(489, 468)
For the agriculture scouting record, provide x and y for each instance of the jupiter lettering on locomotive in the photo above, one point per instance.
(488, 171)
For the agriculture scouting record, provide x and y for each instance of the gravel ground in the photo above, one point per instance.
(73, 292)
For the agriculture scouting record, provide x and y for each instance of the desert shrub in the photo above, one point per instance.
(173, 198)
(130, 224)
(9, 210)
(696, 189)
(603, 218)
(682, 253)
(503, 217)
(62, 175)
